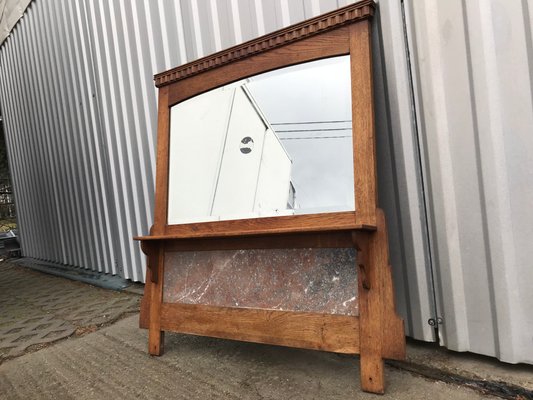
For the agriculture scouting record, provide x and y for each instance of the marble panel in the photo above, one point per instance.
(311, 279)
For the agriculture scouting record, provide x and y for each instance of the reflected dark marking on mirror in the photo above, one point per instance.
(247, 144)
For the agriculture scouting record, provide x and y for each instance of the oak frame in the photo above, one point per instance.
(377, 332)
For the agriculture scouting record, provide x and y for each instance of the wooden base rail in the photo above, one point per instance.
(335, 333)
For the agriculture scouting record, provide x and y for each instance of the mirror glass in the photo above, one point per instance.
(278, 143)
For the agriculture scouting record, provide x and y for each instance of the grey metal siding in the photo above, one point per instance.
(399, 173)
(474, 92)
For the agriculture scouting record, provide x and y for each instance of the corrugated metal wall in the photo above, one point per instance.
(55, 140)
(80, 111)
(473, 69)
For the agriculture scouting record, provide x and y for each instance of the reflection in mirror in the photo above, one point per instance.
(279, 143)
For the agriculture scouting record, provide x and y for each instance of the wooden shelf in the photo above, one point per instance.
(334, 221)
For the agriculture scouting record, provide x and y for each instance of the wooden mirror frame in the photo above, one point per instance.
(377, 332)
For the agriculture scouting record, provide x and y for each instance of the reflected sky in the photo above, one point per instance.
(309, 108)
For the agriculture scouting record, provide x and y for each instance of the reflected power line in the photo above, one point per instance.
(315, 137)
(311, 129)
(311, 122)
(314, 130)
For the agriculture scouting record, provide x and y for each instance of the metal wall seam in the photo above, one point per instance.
(138, 144)
(476, 114)
(72, 135)
(102, 94)
(66, 132)
(82, 98)
(10, 121)
(103, 184)
(57, 239)
(32, 236)
(10, 124)
(89, 142)
(41, 183)
(128, 198)
(128, 155)
(17, 118)
(399, 174)
(52, 131)
(137, 161)
(54, 116)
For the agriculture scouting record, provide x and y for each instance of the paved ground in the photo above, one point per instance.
(38, 309)
(111, 361)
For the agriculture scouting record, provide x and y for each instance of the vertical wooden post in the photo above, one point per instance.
(155, 335)
(156, 260)
(363, 123)
(393, 338)
(381, 330)
(368, 259)
(162, 160)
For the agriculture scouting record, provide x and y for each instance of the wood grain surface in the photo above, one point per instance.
(363, 124)
(335, 333)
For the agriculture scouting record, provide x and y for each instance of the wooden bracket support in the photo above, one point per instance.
(360, 241)
(151, 251)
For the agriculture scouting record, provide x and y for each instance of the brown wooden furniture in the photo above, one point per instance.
(376, 332)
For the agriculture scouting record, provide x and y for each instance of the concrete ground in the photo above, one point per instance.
(109, 361)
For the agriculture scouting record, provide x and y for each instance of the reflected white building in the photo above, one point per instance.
(226, 162)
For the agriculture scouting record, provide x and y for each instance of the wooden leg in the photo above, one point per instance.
(156, 342)
(393, 338)
(155, 335)
(144, 312)
(381, 330)
(372, 377)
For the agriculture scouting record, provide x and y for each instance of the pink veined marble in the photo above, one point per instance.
(311, 280)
